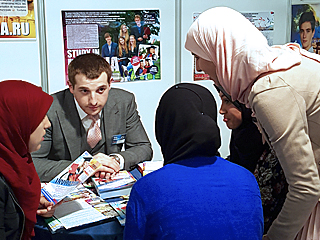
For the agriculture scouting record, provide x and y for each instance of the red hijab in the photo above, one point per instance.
(23, 106)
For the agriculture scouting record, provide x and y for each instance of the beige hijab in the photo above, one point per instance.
(238, 50)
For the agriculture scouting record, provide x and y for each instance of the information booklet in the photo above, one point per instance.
(67, 181)
(116, 186)
(149, 166)
(79, 208)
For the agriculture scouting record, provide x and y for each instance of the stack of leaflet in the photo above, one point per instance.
(116, 186)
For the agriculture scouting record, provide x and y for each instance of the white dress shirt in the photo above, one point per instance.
(86, 122)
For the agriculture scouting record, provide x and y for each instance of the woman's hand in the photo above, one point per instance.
(46, 208)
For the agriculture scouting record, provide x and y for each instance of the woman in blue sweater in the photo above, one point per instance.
(196, 195)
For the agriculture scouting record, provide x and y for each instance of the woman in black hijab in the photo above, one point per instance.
(246, 145)
(248, 150)
(197, 194)
(186, 123)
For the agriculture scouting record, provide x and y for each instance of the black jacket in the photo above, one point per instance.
(11, 214)
(246, 146)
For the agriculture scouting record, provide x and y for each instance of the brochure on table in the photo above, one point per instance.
(120, 206)
(118, 185)
(79, 208)
(149, 166)
(67, 181)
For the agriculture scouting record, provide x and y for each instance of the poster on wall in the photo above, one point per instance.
(129, 40)
(17, 20)
(263, 21)
(305, 29)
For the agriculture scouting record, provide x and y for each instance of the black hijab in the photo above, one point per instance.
(246, 144)
(186, 123)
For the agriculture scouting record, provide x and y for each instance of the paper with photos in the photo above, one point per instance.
(67, 181)
(80, 207)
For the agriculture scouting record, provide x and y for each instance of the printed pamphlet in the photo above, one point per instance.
(79, 208)
(67, 181)
(116, 186)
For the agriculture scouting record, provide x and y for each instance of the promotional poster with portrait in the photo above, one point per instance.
(129, 40)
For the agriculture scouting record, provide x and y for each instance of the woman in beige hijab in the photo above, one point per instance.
(281, 84)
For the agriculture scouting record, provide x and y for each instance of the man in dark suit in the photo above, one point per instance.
(90, 96)
(141, 33)
(110, 48)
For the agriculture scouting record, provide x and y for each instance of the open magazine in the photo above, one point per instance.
(71, 177)
(79, 208)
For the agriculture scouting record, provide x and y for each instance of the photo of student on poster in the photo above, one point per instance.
(305, 28)
(128, 39)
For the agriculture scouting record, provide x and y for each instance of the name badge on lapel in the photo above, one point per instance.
(118, 139)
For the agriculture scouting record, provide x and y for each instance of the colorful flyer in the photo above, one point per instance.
(17, 20)
(67, 181)
(129, 40)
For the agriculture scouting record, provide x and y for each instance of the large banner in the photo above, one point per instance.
(128, 39)
(305, 28)
(17, 19)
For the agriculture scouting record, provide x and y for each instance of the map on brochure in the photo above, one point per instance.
(67, 181)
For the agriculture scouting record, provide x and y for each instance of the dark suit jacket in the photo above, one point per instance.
(65, 140)
(105, 50)
(135, 31)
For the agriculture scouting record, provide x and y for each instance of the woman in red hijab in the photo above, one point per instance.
(23, 121)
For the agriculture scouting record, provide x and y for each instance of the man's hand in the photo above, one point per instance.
(109, 166)
(46, 208)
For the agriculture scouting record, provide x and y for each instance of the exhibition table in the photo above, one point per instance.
(104, 230)
(109, 229)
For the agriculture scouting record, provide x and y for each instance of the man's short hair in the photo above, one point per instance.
(91, 65)
(308, 17)
(106, 35)
(137, 16)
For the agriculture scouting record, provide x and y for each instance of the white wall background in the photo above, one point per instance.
(21, 59)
